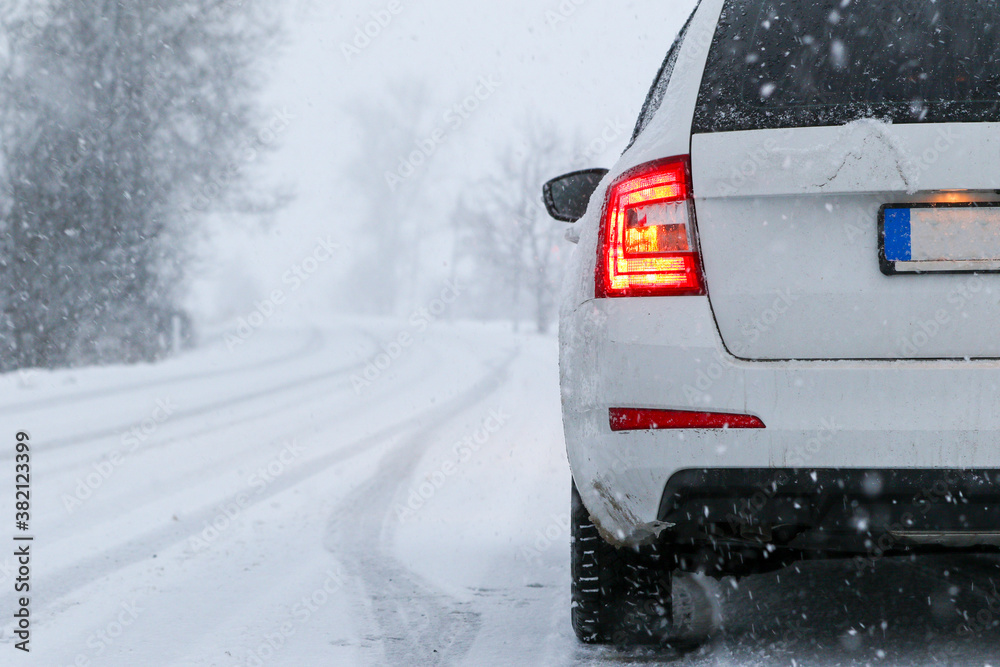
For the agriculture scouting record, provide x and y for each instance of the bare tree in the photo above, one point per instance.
(508, 231)
(115, 115)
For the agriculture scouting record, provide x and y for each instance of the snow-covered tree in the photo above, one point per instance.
(122, 124)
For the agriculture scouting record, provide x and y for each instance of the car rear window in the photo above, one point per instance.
(789, 63)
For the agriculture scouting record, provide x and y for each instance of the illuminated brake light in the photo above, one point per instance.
(647, 243)
(629, 419)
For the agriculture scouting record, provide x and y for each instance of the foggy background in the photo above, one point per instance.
(471, 107)
(411, 137)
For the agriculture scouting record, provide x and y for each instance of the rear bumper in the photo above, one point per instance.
(666, 353)
(856, 511)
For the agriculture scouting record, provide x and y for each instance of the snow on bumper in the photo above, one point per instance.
(666, 353)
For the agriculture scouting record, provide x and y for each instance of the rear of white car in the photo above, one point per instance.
(781, 337)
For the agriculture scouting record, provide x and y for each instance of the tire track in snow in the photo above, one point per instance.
(184, 415)
(314, 343)
(96, 566)
(274, 409)
(414, 622)
(142, 547)
(190, 479)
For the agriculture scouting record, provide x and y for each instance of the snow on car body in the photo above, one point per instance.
(749, 367)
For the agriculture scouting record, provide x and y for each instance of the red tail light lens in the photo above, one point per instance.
(647, 245)
(628, 419)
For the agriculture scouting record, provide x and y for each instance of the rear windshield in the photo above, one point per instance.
(796, 63)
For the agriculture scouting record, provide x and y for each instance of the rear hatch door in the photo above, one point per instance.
(816, 123)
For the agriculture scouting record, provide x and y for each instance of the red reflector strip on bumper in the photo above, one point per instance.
(630, 419)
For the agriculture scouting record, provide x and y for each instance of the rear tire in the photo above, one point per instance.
(620, 596)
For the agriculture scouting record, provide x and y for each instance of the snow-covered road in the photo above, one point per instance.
(287, 503)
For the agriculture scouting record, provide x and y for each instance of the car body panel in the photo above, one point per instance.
(789, 227)
(857, 414)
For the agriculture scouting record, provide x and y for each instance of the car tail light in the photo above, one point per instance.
(647, 245)
(629, 419)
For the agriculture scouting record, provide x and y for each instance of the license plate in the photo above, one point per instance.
(939, 238)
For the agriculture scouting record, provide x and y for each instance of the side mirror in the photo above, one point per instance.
(567, 197)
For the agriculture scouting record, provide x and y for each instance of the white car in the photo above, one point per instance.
(780, 338)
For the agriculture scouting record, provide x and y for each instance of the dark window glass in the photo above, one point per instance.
(789, 63)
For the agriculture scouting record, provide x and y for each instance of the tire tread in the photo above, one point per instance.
(620, 596)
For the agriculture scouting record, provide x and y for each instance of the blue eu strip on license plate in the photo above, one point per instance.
(898, 242)
(940, 239)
